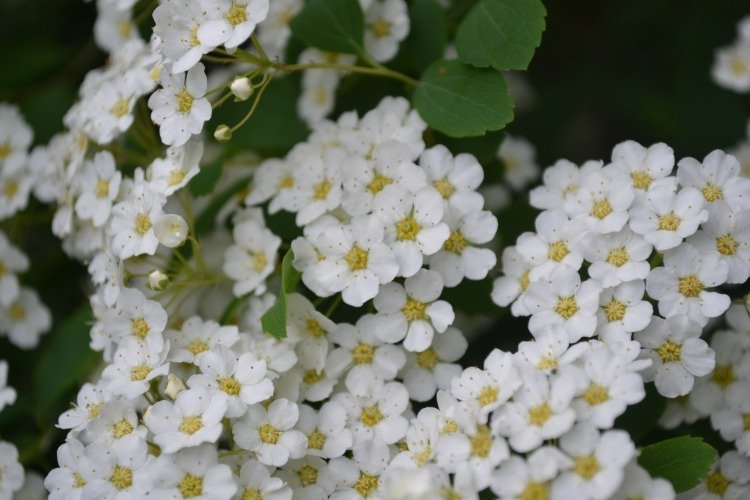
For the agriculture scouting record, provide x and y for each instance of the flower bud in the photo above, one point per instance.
(223, 133)
(171, 230)
(174, 385)
(241, 88)
(157, 280)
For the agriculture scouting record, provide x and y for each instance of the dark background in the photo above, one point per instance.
(606, 71)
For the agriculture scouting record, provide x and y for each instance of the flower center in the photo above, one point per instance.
(321, 190)
(121, 428)
(286, 182)
(16, 312)
(259, 260)
(456, 242)
(357, 258)
(539, 414)
(120, 108)
(268, 433)
(427, 359)
(726, 245)
(191, 424)
(184, 101)
(378, 182)
(142, 224)
(690, 286)
(641, 179)
(197, 346)
(618, 256)
(614, 310)
(316, 440)
(381, 28)
(313, 376)
(176, 176)
(101, 190)
(738, 66)
(746, 422)
(314, 328)
(407, 229)
(94, 409)
(237, 14)
(362, 354)
(78, 481)
(191, 486)
(669, 351)
(669, 222)
(139, 373)
(523, 281)
(5, 150)
(10, 189)
(558, 250)
(546, 363)
(601, 209)
(230, 385)
(122, 477)
(596, 394)
(414, 310)
(488, 395)
(371, 415)
(366, 484)
(567, 307)
(252, 494)
(586, 467)
(712, 192)
(723, 376)
(444, 187)
(535, 491)
(307, 475)
(140, 328)
(717, 483)
(481, 442)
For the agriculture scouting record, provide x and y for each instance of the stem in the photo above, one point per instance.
(263, 86)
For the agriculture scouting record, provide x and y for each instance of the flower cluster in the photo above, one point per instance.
(731, 67)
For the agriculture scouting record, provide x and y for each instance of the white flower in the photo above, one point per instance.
(317, 186)
(177, 25)
(308, 329)
(196, 337)
(12, 261)
(25, 319)
(376, 412)
(109, 109)
(512, 285)
(75, 469)
(118, 471)
(412, 310)
(273, 179)
(190, 473)
(15, 186)
(359, 477)
(554, 245)
(309, 478)
(180, 107)
(519, 478)
(637, 483)
(274, 31)
(240, 380)
(89, 402)
(488, 388)
(356, 260)
(7, 393)
(717, 178)
(133, 368)
(596, 461)
(255, 479)
(318, 95)
(560, 184)
(729, 477)
(731, 420)
(15, 138)
(539, 411)
(623, 311)
(518, 157)
(456, 179)
(731, 368)
(136, 317)
(435, 367)
(681, 284)
(548, 351)
(648, 168)
(413, 225)
(175, 170)
(12, 476)
(421, 439)
(460, 257)
(616, 257)
(327, 435)
(252, 258)
(727, 233)
(99, 183)
(665, 218)
(602, 202)
(132, 225)
(677, 354)
(731, 67)
(564, 301)
(231, 22)
(270, 434)
(117, 422)
(387, 24)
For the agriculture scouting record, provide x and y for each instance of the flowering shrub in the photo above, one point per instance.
(274, 297)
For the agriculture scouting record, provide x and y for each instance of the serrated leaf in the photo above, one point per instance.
(333, 25)
(65, 361)
(501, 33)
(461, 101)
(273, 321)
(683, 460)
(427, 35)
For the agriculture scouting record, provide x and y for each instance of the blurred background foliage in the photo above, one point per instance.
(606, 71)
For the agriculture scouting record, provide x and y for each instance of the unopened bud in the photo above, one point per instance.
(171, 230)
(157, 280)
(241, 88)
(174, 386)
(223, 133)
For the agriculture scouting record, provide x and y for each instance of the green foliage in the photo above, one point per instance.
(460, 100)
(682, 460)
(641, 418)
(333, 25)
(65, 360)
(274, 320)
(205, 221)
(501, 33)
(427, 35)
(205, 181)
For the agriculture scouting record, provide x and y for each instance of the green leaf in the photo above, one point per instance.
(333, 25)
(683, 460)
(501, 33)
(427, 36)
(461, 100)
(641, 418)
(205, 181)
(65, 361)
(205, 221)
(274, 320)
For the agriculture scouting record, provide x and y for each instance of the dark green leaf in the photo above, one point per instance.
(501, 33)
(205, 181)
(333, 25)
(683, 460)
(65, 361)
(461, 100)
(639, 419)
(205, 221)
(274, 320)
(427, 36)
